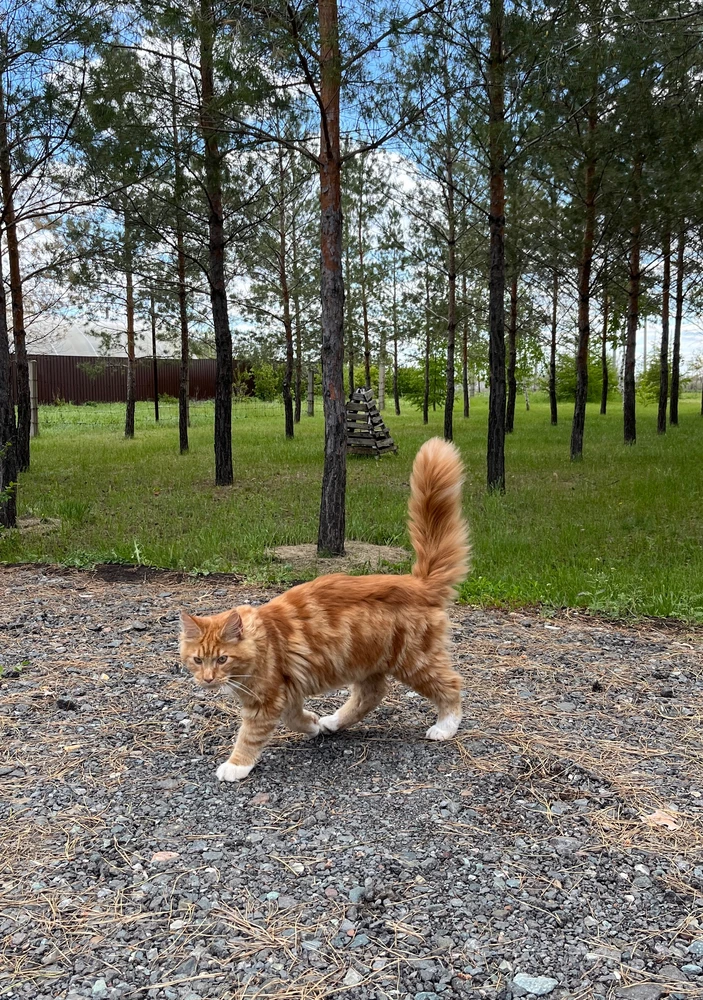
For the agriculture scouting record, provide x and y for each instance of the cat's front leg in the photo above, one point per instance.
(251, 740)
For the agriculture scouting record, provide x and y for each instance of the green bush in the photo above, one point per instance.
(411, 384)
(648, 382)
(566, 378)
(268, 382)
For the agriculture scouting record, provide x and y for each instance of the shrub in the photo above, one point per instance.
(411, 383)
(566, 378)
(268, 381)
(648, 382)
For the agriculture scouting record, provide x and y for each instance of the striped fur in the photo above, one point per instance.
(345, 631)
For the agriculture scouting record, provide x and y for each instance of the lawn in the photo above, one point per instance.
(619, 532)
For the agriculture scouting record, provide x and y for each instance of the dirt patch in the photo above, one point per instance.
(37, 525)
(358, 556)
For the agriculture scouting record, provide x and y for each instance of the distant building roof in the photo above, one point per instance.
(77, 338)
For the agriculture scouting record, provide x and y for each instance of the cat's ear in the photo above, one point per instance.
(190, 626)
(233, 627)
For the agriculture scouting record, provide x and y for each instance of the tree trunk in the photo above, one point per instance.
(512, 358)
(154, 361)
(285, 297)
(676, 354)
(426, 394)
(8, 429)
(349, 323)
(633, 293)
(311, 392)
(396, 397)
(24, 407)
(495, 454)
(296, 315)
(584, 292)
(465, 347)
(224, 473)
(451, 293)
(604, 355)
(331, 532)
(362, 287)
(664, 350)
(184, 368)
(129, 409)
(553, 351)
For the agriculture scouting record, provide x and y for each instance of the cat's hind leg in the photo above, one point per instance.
(435, 680)
(364, 696)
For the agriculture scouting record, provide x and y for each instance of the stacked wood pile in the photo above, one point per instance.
(366, 432)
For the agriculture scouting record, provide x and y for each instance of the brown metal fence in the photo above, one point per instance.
(103, 380)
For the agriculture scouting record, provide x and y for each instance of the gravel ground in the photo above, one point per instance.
(554, 847)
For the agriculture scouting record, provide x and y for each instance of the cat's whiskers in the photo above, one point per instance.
(236, 687)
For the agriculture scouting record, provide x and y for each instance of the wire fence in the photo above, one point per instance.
(110, 416)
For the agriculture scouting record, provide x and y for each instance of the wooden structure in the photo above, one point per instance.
(366, 432)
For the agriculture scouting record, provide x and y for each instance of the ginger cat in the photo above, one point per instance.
(341, 630)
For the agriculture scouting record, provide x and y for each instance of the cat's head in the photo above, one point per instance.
(213, 648)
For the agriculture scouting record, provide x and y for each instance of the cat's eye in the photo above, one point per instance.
(222, 659)
(196, 659)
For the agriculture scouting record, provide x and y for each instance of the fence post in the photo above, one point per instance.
(311, 392)
(153, 352)
(33, 401)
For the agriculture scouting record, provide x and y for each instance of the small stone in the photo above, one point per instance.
(671, 974)
(356, 894)
(272, 895)
(352, 978)
(540, 986)
(312, 945)
(426, 996)
(164, 856)
(443, 943)
(696, 948)
(99, 988)
(298, 867)
(641, 991)
(176, 925)
(360, 941)
(260, 799)
(691, 969)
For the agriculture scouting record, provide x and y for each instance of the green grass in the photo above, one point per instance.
(619, 532)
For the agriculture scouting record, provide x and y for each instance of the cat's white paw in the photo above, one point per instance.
(329, 723)
(444, 729)
(232, 772)
(314, 730)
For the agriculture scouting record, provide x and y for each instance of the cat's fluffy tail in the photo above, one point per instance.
(438, 531)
